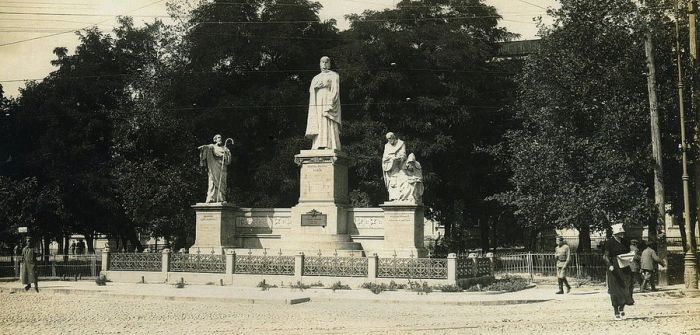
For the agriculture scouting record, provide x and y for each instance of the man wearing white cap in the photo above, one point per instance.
(619, 275)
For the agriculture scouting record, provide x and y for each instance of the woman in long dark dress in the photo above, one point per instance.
(619, 279)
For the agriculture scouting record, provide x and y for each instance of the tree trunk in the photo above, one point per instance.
(659, 196)
(584, 239)
(484, 234)
(89, 241)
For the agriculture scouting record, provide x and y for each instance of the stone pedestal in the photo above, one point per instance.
(319, 221)
(403, 230)
(215, 227)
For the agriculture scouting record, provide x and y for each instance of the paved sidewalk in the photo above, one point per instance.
(286, 295)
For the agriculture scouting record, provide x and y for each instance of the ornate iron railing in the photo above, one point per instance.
(135, 262)
(268, 265)
(469, 267)
(412, 268)
(197, 263)
(335, 266)
(465, 267)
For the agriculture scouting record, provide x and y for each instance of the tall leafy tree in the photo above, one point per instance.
(582, 158)
(428, 72)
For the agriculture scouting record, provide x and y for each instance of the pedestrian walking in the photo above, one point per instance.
(649, 263)
(28, 268)
(635, 266)
(619, 275)
(562, 252)
(72, 248)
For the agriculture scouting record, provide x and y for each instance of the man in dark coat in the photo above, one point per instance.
(28, 269)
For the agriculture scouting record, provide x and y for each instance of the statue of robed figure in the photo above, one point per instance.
(323, 121)
(216, 157)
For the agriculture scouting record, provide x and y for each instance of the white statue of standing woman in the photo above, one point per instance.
(323, 121)
(216, 157)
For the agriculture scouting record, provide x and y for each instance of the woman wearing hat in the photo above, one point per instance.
(619, 278)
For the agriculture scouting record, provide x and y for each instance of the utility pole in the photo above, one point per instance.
(690, 274)
(659, 194)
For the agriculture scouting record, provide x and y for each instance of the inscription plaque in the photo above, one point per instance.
(313, 218)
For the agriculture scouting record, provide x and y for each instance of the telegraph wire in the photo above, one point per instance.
(73, 30)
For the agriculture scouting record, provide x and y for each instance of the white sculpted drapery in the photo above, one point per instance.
(216, 157)
(392, 160)
(323, 122)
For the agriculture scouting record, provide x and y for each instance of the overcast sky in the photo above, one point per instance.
(27, 41)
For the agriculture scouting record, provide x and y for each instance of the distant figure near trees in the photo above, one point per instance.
(323, 121)
(216, 157)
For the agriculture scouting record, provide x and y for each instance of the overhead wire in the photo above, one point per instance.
(73, 30)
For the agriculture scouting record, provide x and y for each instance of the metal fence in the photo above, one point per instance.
(198, 263)
(58, 266)
(412, 268)
(269, 265)
(470, 267)
(335, 266)
(135, 261)
(581, 266)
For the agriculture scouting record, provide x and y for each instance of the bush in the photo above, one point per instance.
(374, 287)
(316, 284)
(299, 285)
(449, 288)
(265, 286)
(476, 283)
(101, 280)
(509, 284)
(339, 286)
(420, 287)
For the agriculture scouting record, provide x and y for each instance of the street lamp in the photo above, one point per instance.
(690, 263)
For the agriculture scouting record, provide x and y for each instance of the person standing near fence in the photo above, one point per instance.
(562, 252)
(28, 268)
(619, 278)
(650, 262)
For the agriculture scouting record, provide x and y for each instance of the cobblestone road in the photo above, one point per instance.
(46, 313)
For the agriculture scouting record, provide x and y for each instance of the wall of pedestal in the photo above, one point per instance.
(263, 228)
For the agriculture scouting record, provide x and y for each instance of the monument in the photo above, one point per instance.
(323, 221)
(319, 221)
(214, 230)
(404, 212)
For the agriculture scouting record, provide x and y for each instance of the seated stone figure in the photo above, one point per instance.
(411, 182)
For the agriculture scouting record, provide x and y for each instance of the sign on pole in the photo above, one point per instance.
(21, 229)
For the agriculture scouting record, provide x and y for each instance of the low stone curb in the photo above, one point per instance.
(292, 301)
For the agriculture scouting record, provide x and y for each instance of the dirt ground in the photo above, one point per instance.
(46, 313)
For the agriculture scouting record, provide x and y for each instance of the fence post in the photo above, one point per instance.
(492, 267)
(105, 259)
(372, 264)
(529, 265)
(165, 263)
(452, 268)
(230, 261)
(299, 265)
